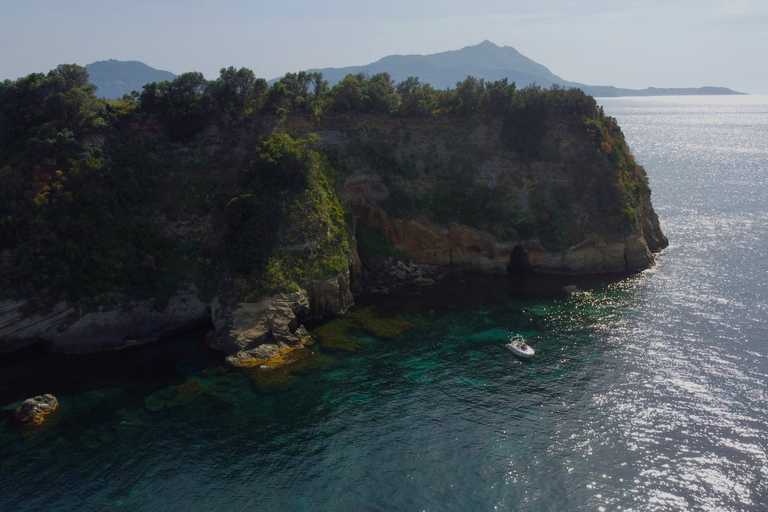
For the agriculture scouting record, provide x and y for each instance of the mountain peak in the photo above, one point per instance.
(114, 78)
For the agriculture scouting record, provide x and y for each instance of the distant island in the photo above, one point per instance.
(491, 62)
(443, 70)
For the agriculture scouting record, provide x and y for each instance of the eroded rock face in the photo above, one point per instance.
(329, 296)
(471, 248)
(568, 196)
(18, 331)
(261, 333)
(134, 325)
(35, 411)
(440, 245)
(64, 329)
(596, 255)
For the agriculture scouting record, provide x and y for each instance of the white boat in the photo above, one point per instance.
(519, 347)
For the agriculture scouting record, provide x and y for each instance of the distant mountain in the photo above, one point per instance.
(443, 70)
(490, 62)
(114, 78)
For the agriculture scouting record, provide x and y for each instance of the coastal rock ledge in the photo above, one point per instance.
(250, 333)
(265, 332)
(67, 329)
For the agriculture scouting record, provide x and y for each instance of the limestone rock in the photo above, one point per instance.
(638, 256)
(441, 245)
(356, 273)
(34, 411)
(135, 324)
(262, 333)
(478, 250)
(255, 323)
(328, 296)
(18, 331)
(595, 255)
(66, 329)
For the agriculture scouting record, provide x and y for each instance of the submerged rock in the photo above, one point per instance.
(34, 412)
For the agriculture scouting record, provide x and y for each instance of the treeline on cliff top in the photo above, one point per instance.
(104, 201)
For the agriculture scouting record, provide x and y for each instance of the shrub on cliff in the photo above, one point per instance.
(285, 224)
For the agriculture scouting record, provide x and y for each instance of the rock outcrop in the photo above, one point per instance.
(574, 196)
(65, 329)
(34, 412)
(382, 276)
(262, 333)
(553, 190)
(444, 245)
(18, 331)
(470, 248)
(596, 255)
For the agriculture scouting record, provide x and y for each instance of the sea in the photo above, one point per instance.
(648, 392)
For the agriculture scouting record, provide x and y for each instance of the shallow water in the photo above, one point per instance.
(646, 393)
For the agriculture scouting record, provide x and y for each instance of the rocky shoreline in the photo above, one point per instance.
(261, 334)
(387, 274)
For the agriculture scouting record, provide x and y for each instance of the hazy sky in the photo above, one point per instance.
(626, 43)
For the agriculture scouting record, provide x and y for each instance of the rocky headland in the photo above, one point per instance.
(253, 218)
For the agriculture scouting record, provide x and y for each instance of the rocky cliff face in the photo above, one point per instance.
(251, 333)
(67, 329)
(262, 333)
(447, 191)
(451, 192)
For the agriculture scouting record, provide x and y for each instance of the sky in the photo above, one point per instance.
(625, 43)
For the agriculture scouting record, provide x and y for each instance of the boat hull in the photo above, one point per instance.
(516, 348)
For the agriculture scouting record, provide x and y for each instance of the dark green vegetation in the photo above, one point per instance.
(220, 184)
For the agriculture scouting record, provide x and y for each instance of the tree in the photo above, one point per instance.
(380, 94)
(181, 106)
(349, 93)
(471, 93)
(500, 95)
(238, 92)
(416, 99)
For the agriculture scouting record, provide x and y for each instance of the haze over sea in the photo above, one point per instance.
(646, 393)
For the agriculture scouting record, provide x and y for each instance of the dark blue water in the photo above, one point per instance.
(646, 393)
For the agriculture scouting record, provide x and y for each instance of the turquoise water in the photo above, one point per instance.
(646, 393)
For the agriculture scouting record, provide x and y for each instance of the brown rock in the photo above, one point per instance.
(262, 333)
(328, 296)
(34, 411)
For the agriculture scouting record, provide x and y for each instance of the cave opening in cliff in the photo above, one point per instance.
(518, 260)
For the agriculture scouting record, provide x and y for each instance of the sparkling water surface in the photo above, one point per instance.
(646, 393)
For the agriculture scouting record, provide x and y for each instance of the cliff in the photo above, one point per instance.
(455, 192)
(253, 209)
